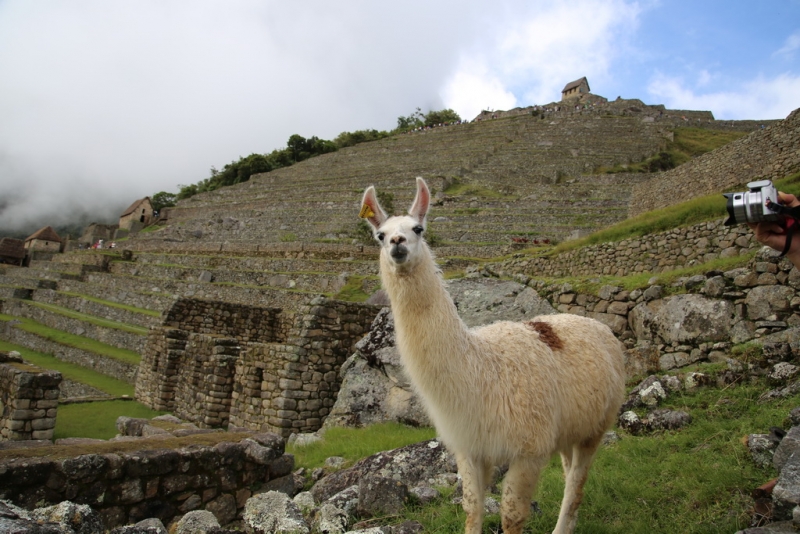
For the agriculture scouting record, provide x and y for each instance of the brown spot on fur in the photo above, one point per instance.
(546, 333)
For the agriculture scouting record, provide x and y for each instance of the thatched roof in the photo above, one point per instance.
(133, 207)
(12, 248)
(576, 83)
(45, 234)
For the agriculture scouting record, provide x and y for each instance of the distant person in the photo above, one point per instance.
(774, 234)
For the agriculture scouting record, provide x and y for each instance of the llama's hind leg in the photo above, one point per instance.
(576, 470)
(474, 477)
(518, 487)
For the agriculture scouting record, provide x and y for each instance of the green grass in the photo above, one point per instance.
(697, 210)
(78, 342)
(96, 419)
(112, 304)
(688, 143)
(92, 319)
(694, 480)
(591, 285)
(353, 290)
(71, 371)
(353, 444)
(466, 189)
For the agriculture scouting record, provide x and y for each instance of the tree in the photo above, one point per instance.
(162, 200)
(440, 117)
(414, 120)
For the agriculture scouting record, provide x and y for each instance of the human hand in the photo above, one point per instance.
(774, 234)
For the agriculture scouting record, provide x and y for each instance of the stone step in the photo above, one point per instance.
(104, 309)
(98, 361)
(113, 334)
(257, 263)
(305, 281)
(251, 295)
(122, 295)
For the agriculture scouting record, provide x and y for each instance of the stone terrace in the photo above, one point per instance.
(535, 168)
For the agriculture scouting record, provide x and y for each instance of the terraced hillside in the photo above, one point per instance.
(285, 248)
(529, 176)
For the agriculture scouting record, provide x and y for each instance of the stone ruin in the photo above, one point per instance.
(218, 364)
(28, 400)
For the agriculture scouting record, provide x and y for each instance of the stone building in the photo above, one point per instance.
(12, 251)
(575, 89)
(137, 216)
(45, 239)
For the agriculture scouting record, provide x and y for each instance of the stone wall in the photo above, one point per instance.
(153, 480)
(216, 363)
(203, 392)
(653, 253)
(110, 336)
(102, 364)
(293, 385)
(28, 400)
(698, 318)
(771, 153)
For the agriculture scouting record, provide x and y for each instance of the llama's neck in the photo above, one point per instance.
(429, 332)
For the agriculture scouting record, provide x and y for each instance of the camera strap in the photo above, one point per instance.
(791, 223)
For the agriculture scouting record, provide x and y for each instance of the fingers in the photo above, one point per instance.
(788, 199)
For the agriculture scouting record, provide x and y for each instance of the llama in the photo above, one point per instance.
(507, 393)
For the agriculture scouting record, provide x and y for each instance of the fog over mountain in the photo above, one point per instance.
(104, 102)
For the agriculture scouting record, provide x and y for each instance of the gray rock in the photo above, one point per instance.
(80, 518)
(786, 494)
(417, 464)
(424, 494)
(762, 448)
(764, 302)
(682, 319)
(196, 522)
(273, 513)
(789, 445)
(346, 500)
(378, 496)
(782, 372)
(305, 501)
(481, 302)
(330, 520)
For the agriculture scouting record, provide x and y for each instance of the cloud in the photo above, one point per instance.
(541, 48)
(790, 46)
(759, 98)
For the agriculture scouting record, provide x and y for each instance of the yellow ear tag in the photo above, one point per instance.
(366, 212)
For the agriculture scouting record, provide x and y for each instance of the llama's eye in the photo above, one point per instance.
(380, 236)
(418, 229)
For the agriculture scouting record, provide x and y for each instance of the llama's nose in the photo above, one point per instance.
(396, 240)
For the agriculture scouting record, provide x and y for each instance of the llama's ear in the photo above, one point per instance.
(419, 209)
(371, 209)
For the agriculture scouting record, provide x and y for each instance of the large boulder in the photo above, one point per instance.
(375, 387)
(485, 301)
(689, 319)
(424, 463)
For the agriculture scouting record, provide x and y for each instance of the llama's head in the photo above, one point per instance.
(401, 238)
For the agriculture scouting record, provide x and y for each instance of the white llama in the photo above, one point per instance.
(508, 393)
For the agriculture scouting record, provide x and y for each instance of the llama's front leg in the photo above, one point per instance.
(518, 488)
(473, 481)
(576, 470)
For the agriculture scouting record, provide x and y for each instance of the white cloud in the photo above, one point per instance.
(760, 98)
(473, 89)
(790, 46)
(540, 49)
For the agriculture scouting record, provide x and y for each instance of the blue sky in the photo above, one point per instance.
(106, 101)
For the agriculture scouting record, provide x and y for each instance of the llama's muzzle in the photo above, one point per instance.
(399, 253)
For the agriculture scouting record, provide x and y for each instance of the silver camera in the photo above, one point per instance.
(759, 204)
